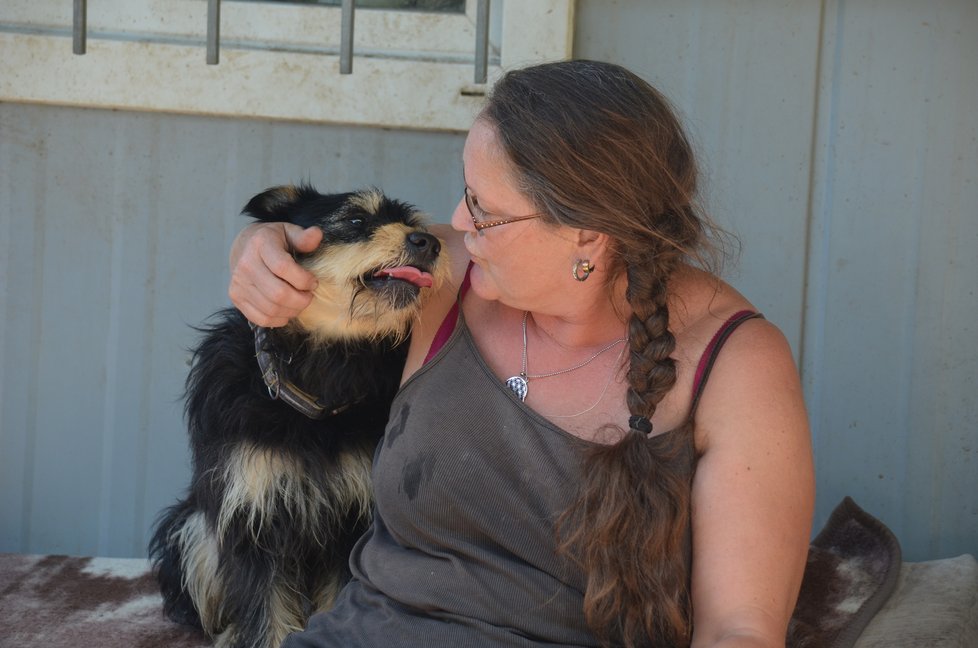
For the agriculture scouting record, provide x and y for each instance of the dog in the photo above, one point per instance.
(283, 423)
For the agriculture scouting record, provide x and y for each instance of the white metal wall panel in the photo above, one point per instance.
(742, 74)
(839, 139)
(115, 232)
(840, 142)
(891, 359)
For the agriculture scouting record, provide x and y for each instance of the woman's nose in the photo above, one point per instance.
(461, 219)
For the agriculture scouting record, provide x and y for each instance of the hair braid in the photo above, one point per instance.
(595, 147)
(652, 371)
(630, 521)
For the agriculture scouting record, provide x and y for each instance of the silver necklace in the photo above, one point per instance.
(600, 398)
(520, 384)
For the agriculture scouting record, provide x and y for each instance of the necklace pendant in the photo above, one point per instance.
(519, 386)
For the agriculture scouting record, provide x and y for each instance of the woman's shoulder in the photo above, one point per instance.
(439, 304)
(700, 304)
(754, 369)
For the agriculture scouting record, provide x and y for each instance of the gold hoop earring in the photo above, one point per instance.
(582, 269)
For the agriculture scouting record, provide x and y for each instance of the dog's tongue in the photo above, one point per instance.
(409, 274)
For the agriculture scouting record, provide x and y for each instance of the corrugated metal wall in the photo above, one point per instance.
(840, 141)
(114, 234)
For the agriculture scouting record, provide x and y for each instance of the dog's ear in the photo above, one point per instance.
(275, 204)
(301, 205)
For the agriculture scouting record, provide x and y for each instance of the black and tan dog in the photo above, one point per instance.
(283, 424)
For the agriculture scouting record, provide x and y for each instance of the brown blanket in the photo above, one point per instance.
(60, 601)
(853, 567)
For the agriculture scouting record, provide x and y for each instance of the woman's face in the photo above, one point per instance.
(523, 263)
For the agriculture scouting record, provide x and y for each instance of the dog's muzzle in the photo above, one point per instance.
(402, 284)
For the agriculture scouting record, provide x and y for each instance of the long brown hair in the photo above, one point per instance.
(596, 147)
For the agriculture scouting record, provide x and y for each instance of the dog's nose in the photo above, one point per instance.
(424, 243)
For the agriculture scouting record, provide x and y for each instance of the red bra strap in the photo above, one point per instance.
(447, 326)
(713, 350)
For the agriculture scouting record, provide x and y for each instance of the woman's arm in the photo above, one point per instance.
(753, 493)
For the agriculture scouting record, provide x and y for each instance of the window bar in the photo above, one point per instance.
(481, 41)
(213, 31)
(80, 27)
(346, 37)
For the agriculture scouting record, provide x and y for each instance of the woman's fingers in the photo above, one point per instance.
(303, 240)
(283, 265)
(267, 285)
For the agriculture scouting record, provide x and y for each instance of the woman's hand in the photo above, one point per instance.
(267, 285)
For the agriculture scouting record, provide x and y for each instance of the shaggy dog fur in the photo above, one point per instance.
(278, 498)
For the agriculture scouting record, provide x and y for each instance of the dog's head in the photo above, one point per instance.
(376, 266)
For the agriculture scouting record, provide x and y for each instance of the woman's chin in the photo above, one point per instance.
(477, 278)
(481, 284)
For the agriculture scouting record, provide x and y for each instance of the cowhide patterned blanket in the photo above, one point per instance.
(856, 593)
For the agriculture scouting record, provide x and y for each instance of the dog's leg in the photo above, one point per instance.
(260, 595)
(328, 588)
(349, 490)
(166, 551)
(261, 548)
(201, 578)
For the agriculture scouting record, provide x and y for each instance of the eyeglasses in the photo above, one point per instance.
(479, 215)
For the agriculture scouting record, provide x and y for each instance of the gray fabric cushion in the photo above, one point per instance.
(935, 604)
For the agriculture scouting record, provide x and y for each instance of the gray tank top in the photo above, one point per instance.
(468, 483)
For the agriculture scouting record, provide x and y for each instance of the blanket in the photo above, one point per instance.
(854, 567)
(62, 601)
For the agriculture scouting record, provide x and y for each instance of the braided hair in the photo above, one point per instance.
(594, 146)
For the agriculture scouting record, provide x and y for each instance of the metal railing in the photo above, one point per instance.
(213, 31)
(79, 30)
(346, 37)
(80, 33)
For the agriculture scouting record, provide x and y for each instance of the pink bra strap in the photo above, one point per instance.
(713, 350)
(447, 326)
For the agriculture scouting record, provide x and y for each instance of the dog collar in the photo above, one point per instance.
(280, 389)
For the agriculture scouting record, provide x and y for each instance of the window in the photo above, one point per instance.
(450, 6)
(412, 68)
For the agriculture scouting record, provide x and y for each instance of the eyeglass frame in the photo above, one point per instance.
(467, 197)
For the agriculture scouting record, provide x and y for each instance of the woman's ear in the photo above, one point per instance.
(592, 245)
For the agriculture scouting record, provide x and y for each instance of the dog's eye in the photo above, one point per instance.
(356, 221)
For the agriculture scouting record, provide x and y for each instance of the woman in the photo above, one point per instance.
(560, 471)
